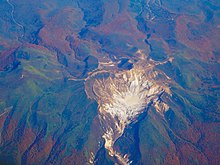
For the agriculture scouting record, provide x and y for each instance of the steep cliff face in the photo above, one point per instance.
(122, 97)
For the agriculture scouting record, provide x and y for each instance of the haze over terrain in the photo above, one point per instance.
(109, 82)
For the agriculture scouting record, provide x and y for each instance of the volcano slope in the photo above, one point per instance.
(122, 98)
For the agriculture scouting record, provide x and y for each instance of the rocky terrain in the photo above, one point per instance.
(109, 81)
